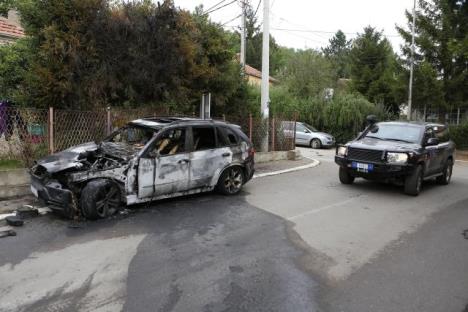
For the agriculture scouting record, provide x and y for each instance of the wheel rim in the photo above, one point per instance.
(233, 180)
(315, 144)
(109, 201)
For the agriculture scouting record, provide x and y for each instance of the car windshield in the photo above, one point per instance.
(133, 135)
(395, 132)
(310, 127)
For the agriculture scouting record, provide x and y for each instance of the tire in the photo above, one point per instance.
(231, 181)
(315, 144)
(100, 199)
(345, 177)
(446, 177)
(413, 182)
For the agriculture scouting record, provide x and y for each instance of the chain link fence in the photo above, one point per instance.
(28, 134)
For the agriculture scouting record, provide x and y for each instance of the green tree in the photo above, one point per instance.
(338, 52)
(308, 74)
(441, 43)
(374, 69)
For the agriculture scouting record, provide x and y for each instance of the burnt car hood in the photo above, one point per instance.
(72, 157)
(388, 145)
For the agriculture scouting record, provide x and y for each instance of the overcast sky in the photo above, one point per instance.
(319, 17)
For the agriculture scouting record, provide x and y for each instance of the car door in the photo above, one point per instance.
(442, 134)
(205, 158)
(432, 153)
(302, 134)
(166, 168)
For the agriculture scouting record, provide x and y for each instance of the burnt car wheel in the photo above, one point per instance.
(231, 181)
(345, 177)
(315, 143)
(445, 178)
(100, 199)
(413, 182)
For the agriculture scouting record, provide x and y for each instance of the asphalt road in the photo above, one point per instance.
(300, 241)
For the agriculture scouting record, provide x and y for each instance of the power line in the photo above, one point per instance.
(231, 20)
(258, 6)
(219, 8)
(214, 6)
(323, 31)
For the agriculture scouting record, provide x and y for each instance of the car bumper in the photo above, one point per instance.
(57, 197)
(381, 171)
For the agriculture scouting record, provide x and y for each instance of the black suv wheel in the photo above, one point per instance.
(345, 177)
(413, 182)
(445, 178)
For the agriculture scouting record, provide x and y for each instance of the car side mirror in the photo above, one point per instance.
(371, 119)
(432, 141)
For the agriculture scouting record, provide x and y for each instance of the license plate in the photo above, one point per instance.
(362, 167)
(34, 191)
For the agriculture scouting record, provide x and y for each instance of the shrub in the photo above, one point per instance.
(459, 134)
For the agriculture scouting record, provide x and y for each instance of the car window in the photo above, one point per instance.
(133, 135)
(442, 133)
(170, 142)
(311, 128)
(203, 138)
(226, 137)
(300, 127)
(397, 132)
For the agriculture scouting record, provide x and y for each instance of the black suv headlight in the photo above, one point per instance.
(397, 158)
(342, 150)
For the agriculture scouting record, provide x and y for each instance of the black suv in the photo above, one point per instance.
(403, 152)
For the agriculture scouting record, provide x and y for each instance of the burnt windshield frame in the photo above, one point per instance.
(120, 130)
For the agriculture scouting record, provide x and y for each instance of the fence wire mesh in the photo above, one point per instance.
(28, 134)
(23, 134)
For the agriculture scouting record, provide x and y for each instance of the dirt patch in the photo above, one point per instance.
(462, 155)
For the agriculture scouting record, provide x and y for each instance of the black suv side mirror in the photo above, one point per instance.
(371, 119)
(432, 141)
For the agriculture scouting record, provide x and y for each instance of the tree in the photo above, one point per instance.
(338, 52)
(5, 6)
(441, 51)
(374, 69)
(308, 74)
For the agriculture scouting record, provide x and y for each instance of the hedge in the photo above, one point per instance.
(459, 134)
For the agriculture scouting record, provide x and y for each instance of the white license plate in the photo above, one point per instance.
(34, 191)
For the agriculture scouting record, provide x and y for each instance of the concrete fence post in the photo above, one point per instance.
(51, 130)
(273, 134)
(294, 132)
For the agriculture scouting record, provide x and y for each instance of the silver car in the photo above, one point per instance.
(308, 135)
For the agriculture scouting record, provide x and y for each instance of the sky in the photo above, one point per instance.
(317, 20)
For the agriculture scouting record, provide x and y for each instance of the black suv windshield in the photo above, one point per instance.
(396, 132)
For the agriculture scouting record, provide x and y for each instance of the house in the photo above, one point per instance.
(254, 76)
(10, 28)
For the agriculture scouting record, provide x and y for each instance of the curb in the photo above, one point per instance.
(314, 163)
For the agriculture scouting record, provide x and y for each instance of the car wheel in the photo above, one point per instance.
(445, 178)
(413, 182)
(231, 181)
(100, 199)
(345, 177)
(315, 143)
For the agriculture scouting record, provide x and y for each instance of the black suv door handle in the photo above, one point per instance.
(226, 154)
(183, 161)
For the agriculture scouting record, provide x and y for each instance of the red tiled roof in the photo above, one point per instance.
(249, 70)
(7, 29)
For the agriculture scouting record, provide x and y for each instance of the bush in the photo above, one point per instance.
(459, 135)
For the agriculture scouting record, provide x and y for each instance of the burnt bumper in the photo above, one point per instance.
(380, 171)
(57, 197)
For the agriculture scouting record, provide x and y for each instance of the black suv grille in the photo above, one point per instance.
(365, 154)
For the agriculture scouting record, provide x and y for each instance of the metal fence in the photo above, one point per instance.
(454, 116)
(27, 134)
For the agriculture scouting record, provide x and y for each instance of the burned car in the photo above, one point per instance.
(148, 159)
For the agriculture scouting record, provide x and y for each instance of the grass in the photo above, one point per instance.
(6, 164)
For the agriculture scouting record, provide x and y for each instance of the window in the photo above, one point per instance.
(442, 133)
(133, 135)
(226, 137)
(395, 132)
(203, 138)
(300, 127)
(170, 142)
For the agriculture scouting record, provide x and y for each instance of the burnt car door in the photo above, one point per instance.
(205, 158)
(165, 169)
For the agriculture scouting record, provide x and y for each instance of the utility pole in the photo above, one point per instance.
(410, 88)
(265, 96)
(243, 35)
